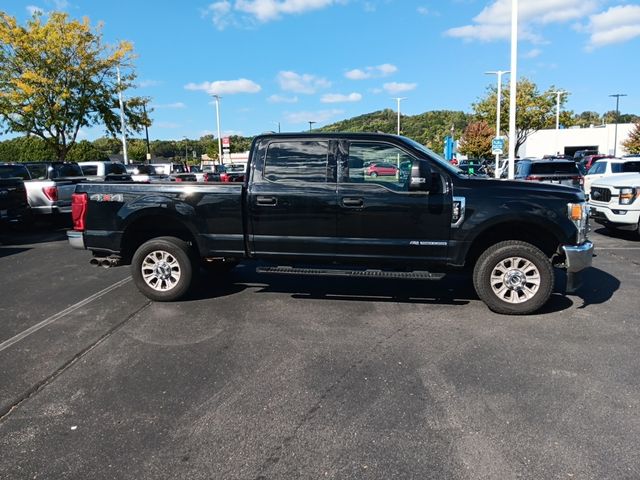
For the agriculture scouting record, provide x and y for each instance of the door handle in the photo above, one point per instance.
(266, 201)
(352, 202)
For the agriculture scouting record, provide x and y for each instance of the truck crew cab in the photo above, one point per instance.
(308, 207)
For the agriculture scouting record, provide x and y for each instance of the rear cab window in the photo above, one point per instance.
(62, 170)
(14, 171)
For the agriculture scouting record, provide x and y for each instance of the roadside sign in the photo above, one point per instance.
(226, 142)
(497, 146)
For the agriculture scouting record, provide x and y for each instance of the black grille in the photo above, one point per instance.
(600, 194)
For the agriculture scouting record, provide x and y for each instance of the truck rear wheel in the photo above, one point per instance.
(513, 278)
(162, 269)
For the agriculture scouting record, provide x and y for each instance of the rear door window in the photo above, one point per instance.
(626, 167)
(304, 161)
(90, 169)
(14, 171)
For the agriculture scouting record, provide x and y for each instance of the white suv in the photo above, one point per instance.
(610, 166)
(615, 202)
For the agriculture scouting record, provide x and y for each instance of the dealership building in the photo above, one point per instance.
(568, 140)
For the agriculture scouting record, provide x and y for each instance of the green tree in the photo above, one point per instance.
(85, 151)
(535, 110)
(57, 76)
(586, 119)
(28, 149)
(476, 140)
(164, 148)
(108, 145)
(632, 144)
(137, 150)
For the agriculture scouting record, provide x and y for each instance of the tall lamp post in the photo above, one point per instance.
(513, 88)
(310, 124)
(123, 127)
(499, 73)
(615, 134)
(558, 94)
(398, 100)
(185, 150)
(218, 97)
(146, 130)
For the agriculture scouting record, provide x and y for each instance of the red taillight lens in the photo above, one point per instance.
(79, 203)
(178, 179)
(533, 178)
(224, 177)
(51, 193)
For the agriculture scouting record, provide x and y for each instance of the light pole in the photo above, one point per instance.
(185, 150)
(558, 95)
(310, 124)
(399, 99)
(123, 127)
(146, 130)
(513, 88)
(499, 73)
(615, 134)
(277, 123)
(218, 97)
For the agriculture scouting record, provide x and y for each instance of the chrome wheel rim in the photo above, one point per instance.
(161, 270)
(515, 280)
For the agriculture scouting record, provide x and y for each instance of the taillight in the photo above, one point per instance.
(178, 179)
(51, 193)
(224, 177)
(534, 178)
(79, 210)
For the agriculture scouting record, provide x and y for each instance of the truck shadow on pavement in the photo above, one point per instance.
(454, 289)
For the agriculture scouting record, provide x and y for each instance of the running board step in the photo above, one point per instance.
(330, 272)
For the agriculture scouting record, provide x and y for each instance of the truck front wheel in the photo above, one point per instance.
(162, 269)
(513, 278)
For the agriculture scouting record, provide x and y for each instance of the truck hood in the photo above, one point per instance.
(625, 180)
(518, 188)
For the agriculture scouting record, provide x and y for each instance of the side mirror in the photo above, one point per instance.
(420, 180)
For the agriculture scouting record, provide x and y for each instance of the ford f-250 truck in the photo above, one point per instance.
(307, 207)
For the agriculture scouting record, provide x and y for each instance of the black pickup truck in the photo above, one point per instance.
(308, 207)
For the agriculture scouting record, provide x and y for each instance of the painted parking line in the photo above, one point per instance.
(22, 335)
(617, 248)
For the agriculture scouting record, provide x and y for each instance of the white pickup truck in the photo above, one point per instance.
(614, 202)
(50, 186)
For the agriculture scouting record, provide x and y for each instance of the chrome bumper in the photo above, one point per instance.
(578, 257)
(76, 239)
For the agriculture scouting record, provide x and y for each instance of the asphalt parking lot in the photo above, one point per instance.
(259, 377)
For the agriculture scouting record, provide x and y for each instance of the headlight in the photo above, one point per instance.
(578, 213)
(627, 195)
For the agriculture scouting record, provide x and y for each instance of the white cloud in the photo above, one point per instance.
(319, 116)
(423, 10)
(225, 12)
(305, 83)
(226, 87)
(282, 99)
(396, 87)
(616, 25)
(32, 10)
(533, 53)
(494, 21)
(149, 83)
(175, 105)
(59, 4)
(340, 98)
(371, 72)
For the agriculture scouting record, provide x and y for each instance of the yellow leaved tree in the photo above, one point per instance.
(57, 76)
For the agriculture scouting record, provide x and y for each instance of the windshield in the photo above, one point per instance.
(433, 155)
(13, 171)
(115, 168)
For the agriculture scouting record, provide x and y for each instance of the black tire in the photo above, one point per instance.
(169, 266)
(521, 264)
(373, 174)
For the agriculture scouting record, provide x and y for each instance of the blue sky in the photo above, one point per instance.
(295, 61)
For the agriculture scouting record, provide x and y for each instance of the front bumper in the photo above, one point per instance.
(620, 218)
(76, 239)
(578, 257)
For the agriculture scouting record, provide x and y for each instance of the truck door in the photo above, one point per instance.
(379, 219)
(292, 199)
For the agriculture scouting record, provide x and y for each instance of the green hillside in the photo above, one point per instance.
(428, 128)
